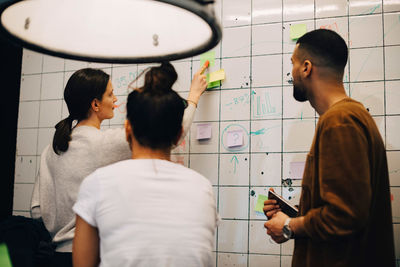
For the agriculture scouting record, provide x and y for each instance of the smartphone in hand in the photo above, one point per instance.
(284, 205)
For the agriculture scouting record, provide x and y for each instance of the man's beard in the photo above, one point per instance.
(299, 93)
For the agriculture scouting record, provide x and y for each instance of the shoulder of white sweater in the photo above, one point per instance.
(109, 135)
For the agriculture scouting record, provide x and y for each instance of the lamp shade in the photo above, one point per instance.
(113, 31)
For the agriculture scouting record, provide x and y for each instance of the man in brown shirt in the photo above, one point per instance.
(345, 211)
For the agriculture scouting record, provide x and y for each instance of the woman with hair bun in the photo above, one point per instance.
(77, 151)
(147, 210)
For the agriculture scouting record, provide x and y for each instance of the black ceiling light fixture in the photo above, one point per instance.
(112, 31)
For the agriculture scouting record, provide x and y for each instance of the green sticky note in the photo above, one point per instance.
(297, 30)
(4, 256)
(210, 56)
(260, 203)
(213, 84)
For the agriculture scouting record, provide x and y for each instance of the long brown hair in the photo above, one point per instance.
(82, 87)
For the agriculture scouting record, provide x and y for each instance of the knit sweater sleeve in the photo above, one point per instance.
(344, 184)
(86, 203)
(114, 146)
(43, 196)
(35, 202)
(187, 121)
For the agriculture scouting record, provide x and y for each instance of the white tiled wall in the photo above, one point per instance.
(255, 98)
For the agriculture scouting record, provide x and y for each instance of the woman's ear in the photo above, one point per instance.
(95, 105)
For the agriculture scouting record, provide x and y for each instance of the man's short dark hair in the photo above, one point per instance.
(325, 48)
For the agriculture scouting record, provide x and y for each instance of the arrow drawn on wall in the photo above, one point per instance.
(236, 161)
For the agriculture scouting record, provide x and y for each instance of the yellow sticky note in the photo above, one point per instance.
(260, 203)
(216, 76)
(297, 30)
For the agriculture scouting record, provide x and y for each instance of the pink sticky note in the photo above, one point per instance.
(203, 131)
(297, 169)
(235, 138)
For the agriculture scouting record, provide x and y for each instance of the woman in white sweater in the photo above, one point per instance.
(78, 151)
(147, 210)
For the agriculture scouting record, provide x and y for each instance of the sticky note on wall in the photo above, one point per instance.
(5, 260)
(297, 30)
(235, 138)
(296, 169)
(260, 203)
(210, 56)
(216, 76)
(203, 131)
(213, 84)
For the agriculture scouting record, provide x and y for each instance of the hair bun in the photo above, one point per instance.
(160, 79)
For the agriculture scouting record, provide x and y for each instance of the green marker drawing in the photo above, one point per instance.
(236, 161)
(264, 109)
(261, 131)
(374, 8)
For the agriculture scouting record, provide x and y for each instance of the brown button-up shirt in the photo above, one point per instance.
(345, 197)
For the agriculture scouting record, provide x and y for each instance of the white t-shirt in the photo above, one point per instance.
(150, 212)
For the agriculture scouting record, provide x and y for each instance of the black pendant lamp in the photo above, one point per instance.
(112, 31)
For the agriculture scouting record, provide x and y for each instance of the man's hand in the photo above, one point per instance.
(275, 225)
(270, 207)
(278, 239)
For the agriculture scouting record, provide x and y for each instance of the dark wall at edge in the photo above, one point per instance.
(10, 77)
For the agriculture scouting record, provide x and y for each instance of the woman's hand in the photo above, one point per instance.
(198, 86)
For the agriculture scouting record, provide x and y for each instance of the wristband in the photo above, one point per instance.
(194, 103)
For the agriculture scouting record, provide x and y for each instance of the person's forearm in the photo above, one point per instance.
(297, 226)
(187, 120)
(86, 245)
(194, 98)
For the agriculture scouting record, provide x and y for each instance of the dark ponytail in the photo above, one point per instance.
(83, 86)
(62, 136)
(155, 111)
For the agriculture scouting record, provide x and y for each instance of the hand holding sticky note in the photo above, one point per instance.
(208, 56)
(205, 66)
(213, 79)
(260, 203)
